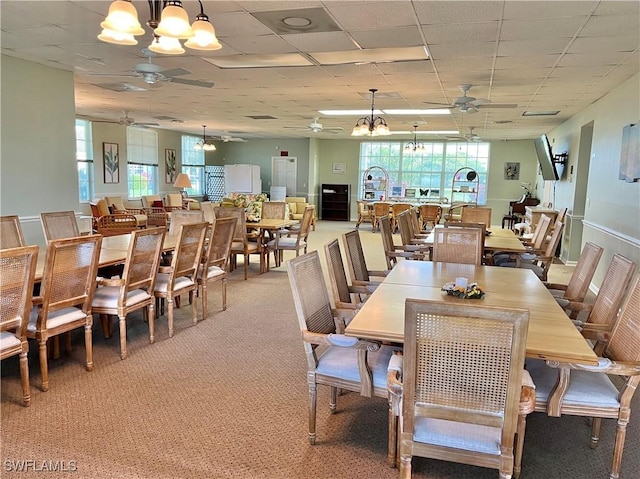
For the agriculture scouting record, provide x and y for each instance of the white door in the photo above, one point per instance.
(284, 173)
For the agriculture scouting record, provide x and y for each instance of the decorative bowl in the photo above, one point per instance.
(472, 291)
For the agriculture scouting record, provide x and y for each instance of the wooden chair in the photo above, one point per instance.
(602, 313)
(342, 362)
(396, 209)
(241, 244)
(184, 217)
(476, 214)
(66, 291)
(539, 263)
(462, 381)
(591, 391)
(356, 261)
(500, 257)
(208, 210)
(581, 278)
(17, 270)
(119, 224)
(215, 260)
(346, 296)
(133, 291)
(174, 200)
(180, 276)
(414, 224)
(10, 232)
(59, 225)
(453, 244)
(403, 220)
(392, 251)
(274, 210)
(380, 209)
(365, 213)
(293, 241)
(429, 216)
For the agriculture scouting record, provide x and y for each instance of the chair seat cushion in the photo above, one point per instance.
(286, 243)
(107, 297)
(589, 389)
(162, 283)
(342, 363)
(8, 340)
(468, 437)
(56, 318)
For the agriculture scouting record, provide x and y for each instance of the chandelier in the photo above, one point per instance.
(205, 144)
(414, 146)
(373, 125)
(170, 24)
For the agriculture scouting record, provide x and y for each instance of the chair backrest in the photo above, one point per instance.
(183, 217)
(310, 295)
(561, 215)
(208, 210)
(414, 221)
(387, 241)
(218, 249)
(10, 232)
(240, 233)
(116, 202)
(611, 292)
(143, 259)
(59, 224)
(540, 233)
(381, 208)
(583, 273)
(462, 363)
(397, 208)
(552, 245)
(356, 260)
(274, 210)
(476, 214)
(173, 199)
(302, 234)
(102, 207)
(430, 215)
(337, 275)
(148, 200)
(453, 244)
(624, 343)
(17, 270)
(69, 277)
(404, 226)
(188, 253)
(363, 208)
(118, 224)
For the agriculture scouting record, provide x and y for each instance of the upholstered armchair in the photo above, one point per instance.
(297, 204)
(117, 206)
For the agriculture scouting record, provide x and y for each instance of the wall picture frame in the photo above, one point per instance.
(512, 171)
(339, 168)
(169, 165)
(111, 162)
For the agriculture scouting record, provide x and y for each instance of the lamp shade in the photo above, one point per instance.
(182, 181)
(204, 37)
(123, 18)
(174, 22)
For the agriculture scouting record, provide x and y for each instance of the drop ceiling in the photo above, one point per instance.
(276, 71)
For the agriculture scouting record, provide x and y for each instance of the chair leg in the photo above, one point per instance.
(194, 310)
(313, 393)
(203, 293)
(170, 314)
(621, 433)
(44, 366)
(405, 467)
(151, 314)
(224, 294)
(24, 375)
(393, 438)
(246, 266)
(517, 462)
(333, 400)
(123, 337)
(595, 432)
(88, 345)
(105, 322)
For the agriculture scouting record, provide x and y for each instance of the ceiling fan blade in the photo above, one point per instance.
(174, 72)
(121, 75)
(199, 83)
(499, 105)
(441, 105)
(145, 125)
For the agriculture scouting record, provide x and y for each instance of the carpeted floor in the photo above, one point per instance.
(227, 398)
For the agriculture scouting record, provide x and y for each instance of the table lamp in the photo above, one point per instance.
(183, 182)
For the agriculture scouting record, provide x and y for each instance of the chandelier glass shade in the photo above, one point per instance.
(373, 125)
(414, 145)
(121, 25)
(205, 144)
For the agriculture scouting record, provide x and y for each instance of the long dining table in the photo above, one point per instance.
(498, 239)
(551, 335)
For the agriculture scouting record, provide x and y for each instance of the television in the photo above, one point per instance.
(545, 158)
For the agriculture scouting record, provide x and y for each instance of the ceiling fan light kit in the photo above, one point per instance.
(371, 125)
(414, 146)
(121, 25)
(205, 144)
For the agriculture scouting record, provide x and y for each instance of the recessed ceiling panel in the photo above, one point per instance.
(374, 55)
(301, 20)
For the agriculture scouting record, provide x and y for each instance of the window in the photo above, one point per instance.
(142, 162)
(84, 159)
(193, 164)
(431, 169)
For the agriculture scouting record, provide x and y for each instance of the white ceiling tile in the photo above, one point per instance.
(392, 37)
(541, 46)
(264, 44)
(541, 28)
(320, 41)
(372, 15)
(461, 50)
(547, 9)
(600, 26)
(434, 13)
(461, 32)
(596, 45)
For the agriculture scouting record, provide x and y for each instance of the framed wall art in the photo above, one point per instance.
(512, 171)
(111, 161)
(169, 165)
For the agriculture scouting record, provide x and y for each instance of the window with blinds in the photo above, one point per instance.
(84, 159)
(142, 162)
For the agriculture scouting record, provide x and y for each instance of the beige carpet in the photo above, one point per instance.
(227, 398)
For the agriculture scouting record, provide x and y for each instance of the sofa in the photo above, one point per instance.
(297, 204)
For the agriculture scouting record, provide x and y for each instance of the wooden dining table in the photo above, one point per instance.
(551, 336)
(498, 239)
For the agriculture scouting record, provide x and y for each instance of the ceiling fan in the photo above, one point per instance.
(471, 136)
(226, 138)
(470, 104)
(126, 120)
(152, 73)
(316, 127)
